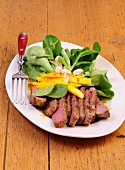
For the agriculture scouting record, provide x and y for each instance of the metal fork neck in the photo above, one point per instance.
(20, 64)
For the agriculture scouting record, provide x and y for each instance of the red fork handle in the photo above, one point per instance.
(22, 43)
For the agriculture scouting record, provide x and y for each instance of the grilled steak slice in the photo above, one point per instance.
(69, 104)
(37, 101)
(102, 111)
(93, 98)
(75, 111)
(88, 113)
(81, 108)
(50, 107)
(59, 118)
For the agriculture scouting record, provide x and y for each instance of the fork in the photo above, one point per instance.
(20, 80)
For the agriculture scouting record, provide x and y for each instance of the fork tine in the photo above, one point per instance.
(17, 89)
(25, 90)
(13, 90)
(21, 94)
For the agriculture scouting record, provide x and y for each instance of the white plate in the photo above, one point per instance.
(98, 129)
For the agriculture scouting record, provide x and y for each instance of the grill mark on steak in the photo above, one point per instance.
(88, 113)
(50, 107)
(102, 111)
(69, 104)
(81, 108)
(59, 118)
(75, 111)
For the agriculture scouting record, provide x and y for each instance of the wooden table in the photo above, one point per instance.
(24, 146)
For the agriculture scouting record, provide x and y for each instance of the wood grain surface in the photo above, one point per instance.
(23, 146)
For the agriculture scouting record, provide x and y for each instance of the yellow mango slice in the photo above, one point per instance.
(46, 82)
(75, 91)
(50, 75)
(75, 84)
(50, 79)
(84, 81)
(80, 80)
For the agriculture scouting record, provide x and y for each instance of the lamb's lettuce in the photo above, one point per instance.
(96, 47)
(58, 91)
(101, 82)
(32, 71)
(37, 51)
(63, 61)
(105, 93)
(52, 43)
(44, 62)
(44, 91)
(66, 55)
(86, 53)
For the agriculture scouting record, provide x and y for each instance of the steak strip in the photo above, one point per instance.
(81, 108)
(59, 118)
(75, 111)
(93, 98)
(102, 111)
(88, 113)
(69, 104)
(50, 107)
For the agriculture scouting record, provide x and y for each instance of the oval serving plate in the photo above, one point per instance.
(98, 129)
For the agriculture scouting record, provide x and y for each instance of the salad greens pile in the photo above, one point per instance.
(40, 60)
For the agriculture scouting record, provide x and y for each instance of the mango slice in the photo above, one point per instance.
(80, 80)
(75, 91)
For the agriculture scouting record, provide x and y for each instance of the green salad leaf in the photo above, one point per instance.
(81, 55)
(96, 47)
(32, 71)
(100, 80)
(65, 55)
(102, 84)
(105, 93)
(44, 62)
(62, 60)
(37, 51)
(53, 43)
(58, 91)
(44, 91)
